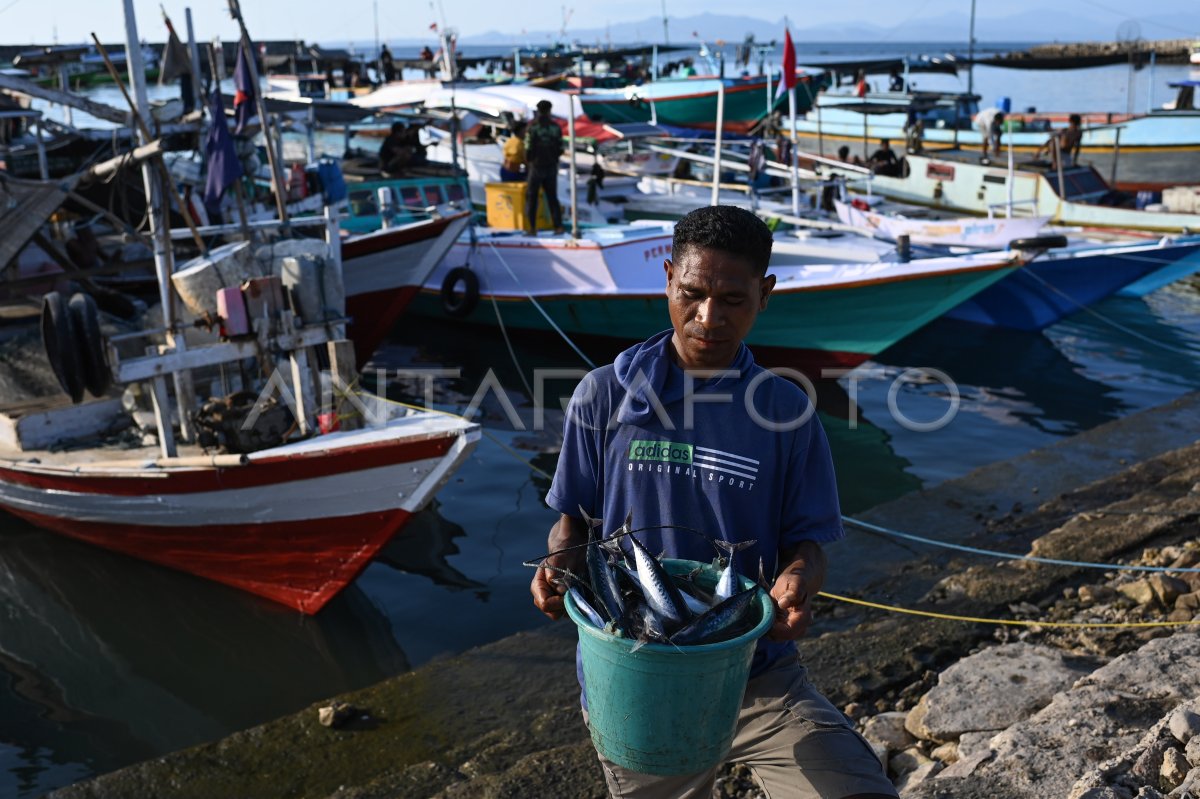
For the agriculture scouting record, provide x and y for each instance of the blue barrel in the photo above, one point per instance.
(662, 709)
(1005, 104)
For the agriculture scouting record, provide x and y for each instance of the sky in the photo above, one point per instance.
(67, 21)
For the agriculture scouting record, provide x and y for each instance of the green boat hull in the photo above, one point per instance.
(745, 105)
(833, 327)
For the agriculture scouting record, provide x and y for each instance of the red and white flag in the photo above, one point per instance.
(789, 64)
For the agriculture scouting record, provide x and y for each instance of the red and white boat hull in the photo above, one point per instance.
(295, 524)
(383, 271)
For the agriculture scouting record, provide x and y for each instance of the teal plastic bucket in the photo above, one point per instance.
(661, 709)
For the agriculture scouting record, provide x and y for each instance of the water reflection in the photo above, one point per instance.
(424, 547)
(105, 660)
(1021, 375)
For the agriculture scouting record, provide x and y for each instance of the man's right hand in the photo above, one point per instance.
(547, 587)
(548, 596)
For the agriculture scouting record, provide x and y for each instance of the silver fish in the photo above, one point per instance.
(602, 577)
(661, 591)
(727, 584)
(586, 607)
(720, 619)
(694, 603)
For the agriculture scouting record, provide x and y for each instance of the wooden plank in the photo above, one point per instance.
(98, 110)
(343, 371)
(41, 425)
(33, 207)
(150, 366)
(162, 416)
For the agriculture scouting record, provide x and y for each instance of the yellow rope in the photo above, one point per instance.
(1016, 622)
(862, 602)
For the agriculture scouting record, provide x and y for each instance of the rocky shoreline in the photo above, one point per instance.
(956, 709)
(1166, 51)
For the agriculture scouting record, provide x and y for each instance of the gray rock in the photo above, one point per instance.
(1106, 792)
(966, 766)
(1190, 785)
(1149, 764)
(909, 760)
(1146, 792)
(888, 729)
(991, 690)
(1092, 594)
(907, 784)
(1174, 769)
(973, 743)
(1139, 591)
(1184, 724)
(1167, 588)
(1192, 751)
(1043, 756)
(946, 753)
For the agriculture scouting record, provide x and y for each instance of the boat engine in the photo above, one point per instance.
(242, 422)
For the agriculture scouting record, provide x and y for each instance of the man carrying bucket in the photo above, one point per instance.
(747, 459)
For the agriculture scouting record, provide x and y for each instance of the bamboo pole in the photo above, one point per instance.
(140, 122)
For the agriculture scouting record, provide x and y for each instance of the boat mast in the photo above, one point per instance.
(375, 11)
(666, 36)
(971, 53)
(137, 76)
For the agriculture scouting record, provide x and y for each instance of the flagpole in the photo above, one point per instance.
(716, 181)
(260, 104)
(795, 157)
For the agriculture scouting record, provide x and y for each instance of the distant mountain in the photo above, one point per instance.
(1032, 26)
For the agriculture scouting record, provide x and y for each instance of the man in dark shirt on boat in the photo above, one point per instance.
(543, 147)
(747, 474)
(883, 161)
(387, 64)
(401, 149)
(1069, 139)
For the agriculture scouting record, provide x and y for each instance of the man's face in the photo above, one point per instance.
(714, 298)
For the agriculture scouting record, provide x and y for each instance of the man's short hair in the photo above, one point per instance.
(727, 228)
(1075, 119)
(544, 106)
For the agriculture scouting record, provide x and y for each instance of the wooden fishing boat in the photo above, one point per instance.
(1146, 151)
(692, 102)
(295, 523)
(609, 284)
(384, 269)
(1070, 197)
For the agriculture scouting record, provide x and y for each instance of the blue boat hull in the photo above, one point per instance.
(1044, 291)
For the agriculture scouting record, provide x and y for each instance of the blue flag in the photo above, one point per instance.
(224, 168)
(243, 94)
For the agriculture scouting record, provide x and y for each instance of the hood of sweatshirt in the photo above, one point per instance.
(650, 376)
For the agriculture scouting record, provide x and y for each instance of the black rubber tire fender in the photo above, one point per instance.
(60, 342)
(97, 377)
(453, 303)
(1038, 243)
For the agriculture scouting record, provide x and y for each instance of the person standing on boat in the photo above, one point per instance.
(543, 147)
(990, 124)
(861, 87)
(513, 167)
(754, 463)
(387, 65)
